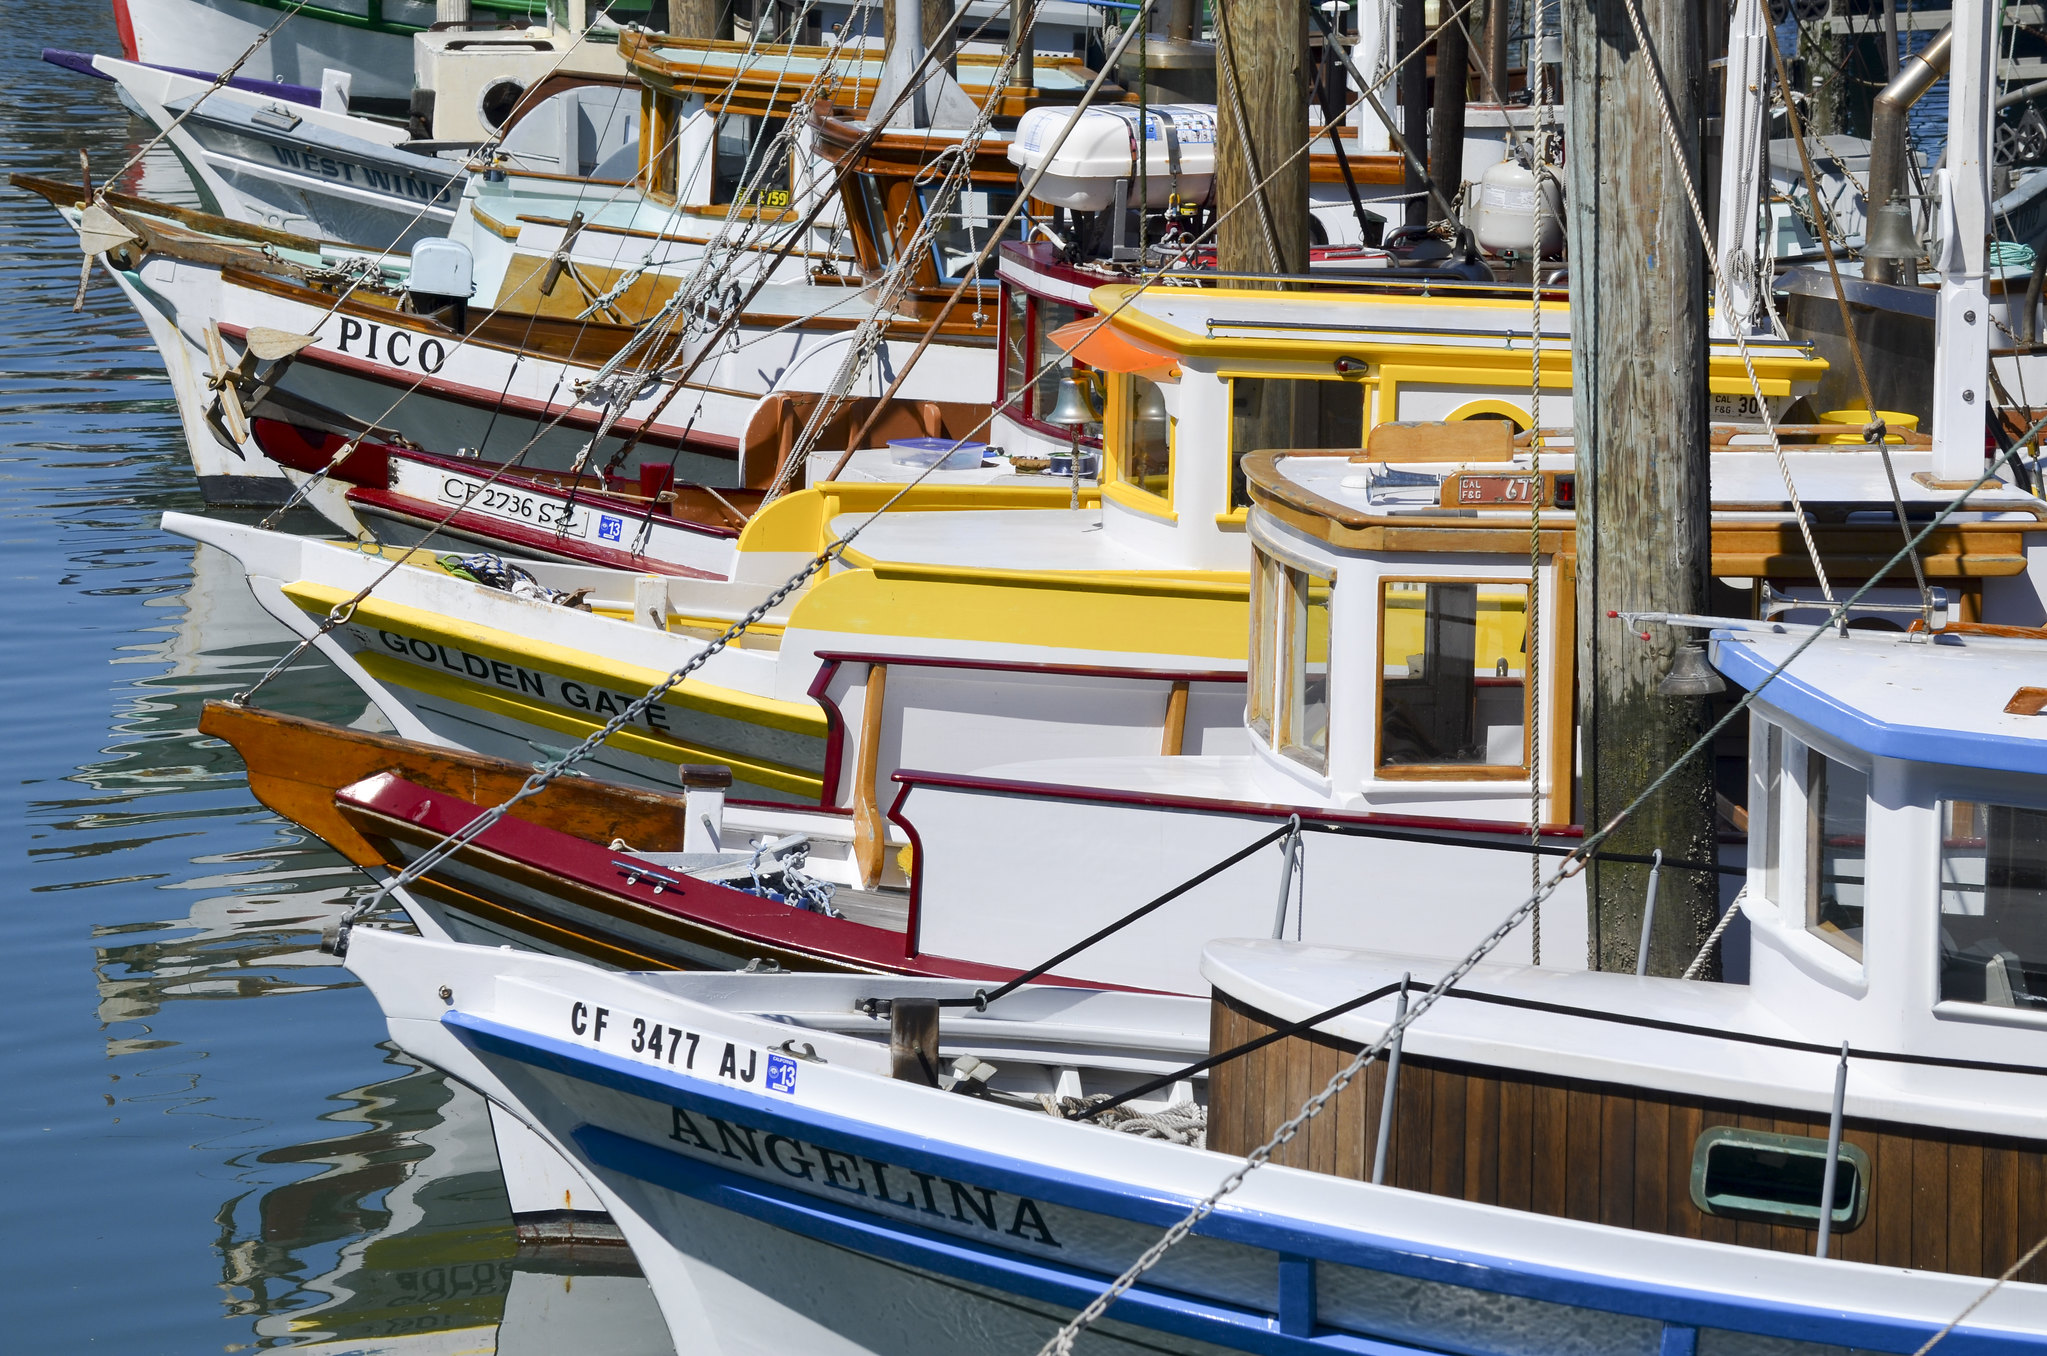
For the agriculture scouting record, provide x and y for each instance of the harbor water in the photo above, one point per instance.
(209, 1145)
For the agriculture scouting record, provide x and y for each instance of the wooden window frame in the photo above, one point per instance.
(1447, 772)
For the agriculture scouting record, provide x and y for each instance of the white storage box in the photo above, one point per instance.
(1103, 149)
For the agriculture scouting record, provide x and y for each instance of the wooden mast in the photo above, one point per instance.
(1263, 98)
(1638, 347)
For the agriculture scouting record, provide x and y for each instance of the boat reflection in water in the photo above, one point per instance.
(409, 1205)
(389, 1231)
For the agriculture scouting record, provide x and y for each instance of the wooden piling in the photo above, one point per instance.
(1263, 56)
(1638, 326)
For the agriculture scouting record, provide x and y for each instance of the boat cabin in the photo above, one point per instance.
(1897, 1002)
(1394, 700)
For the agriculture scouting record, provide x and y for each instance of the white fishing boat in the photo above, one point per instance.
(1637, 1164)
(374, 46)
(332, 175)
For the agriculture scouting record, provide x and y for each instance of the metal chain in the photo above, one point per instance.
(1061, 1343)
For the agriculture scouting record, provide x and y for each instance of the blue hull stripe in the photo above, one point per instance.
(875, 1236)
(1253, 1228)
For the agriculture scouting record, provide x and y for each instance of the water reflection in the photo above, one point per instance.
(196, 1182)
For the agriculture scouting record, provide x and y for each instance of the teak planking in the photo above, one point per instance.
(1938, 1200)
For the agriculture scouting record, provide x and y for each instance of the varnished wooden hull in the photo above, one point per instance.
(1939, 1199)
(542, 878)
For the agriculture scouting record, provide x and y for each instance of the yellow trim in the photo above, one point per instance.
(800, 521)
(1472, 409)
(1116, 442)
(562, 660)
(1191, 615)
(1139, 501)
(1439, 362)
(1234, 518)
(399, 673)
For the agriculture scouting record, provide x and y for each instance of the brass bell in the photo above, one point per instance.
(1151, 407)
(1073, 405)
(1690, 675)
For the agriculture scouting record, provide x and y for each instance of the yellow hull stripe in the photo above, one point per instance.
(798, 717)
(399, 673)
(1163, 616)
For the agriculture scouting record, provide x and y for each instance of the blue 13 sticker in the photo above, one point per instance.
(610, 528)
(781, 1074)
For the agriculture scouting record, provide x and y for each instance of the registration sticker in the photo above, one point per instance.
(610, 528)
(781, 1074)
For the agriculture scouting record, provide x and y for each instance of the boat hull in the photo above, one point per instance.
(832, 1208)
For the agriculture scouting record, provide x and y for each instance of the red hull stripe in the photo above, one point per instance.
(744, 917)
(514, 535)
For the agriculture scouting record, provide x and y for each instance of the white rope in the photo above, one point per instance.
(1669, 120)
(1061, 1343)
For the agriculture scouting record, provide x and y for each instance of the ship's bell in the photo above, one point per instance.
(1690, 675)
(1073, 405)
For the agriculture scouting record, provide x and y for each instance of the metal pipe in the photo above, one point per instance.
(1833, 1154)
(1392, 1084)
(1887, 167)
(1023, 44)
(1648, 915)
(1287, 852)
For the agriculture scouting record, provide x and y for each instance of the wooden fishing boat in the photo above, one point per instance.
(569, 872)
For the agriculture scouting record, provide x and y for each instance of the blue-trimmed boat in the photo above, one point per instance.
(1842, 1154)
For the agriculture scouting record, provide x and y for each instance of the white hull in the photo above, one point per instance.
(207, 35)
(776, 1202)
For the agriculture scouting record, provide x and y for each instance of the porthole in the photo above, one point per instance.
(498, 100)
(1752, 1174)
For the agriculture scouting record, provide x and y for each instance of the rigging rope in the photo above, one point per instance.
(1668, 117)
(1061, 1343)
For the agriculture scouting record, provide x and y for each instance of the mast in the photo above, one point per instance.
(1413, 85)
(1961, 354)
(1744, 113)
(1446, 128)
(1263, 57)
(1638, 351)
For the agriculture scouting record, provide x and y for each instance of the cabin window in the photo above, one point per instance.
(661, 150)
(881, 230)
(1452, 692)
(742, 141)
(1769, 800)
(1287, 695)
(1753, 1174)
(1836, 838)
(1993, 905)
(1049, 316)
(960, 235)
(1279, 413)
(1016, 350)
(1144, 459)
